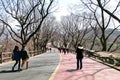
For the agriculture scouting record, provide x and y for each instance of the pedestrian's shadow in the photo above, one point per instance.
(71, 70)
(9, 71)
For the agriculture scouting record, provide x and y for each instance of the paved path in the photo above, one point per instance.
(52, 66)
(91, 70)
(40, 68)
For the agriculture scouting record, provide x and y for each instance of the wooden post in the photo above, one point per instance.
(0, 53)
(0, 57)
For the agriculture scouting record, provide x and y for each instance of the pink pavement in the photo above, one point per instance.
(91, 70)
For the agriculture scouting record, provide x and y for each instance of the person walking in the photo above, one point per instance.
(16, 56)
(79, 57)
(25, 57)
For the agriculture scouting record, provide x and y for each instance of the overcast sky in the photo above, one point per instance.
(63, 7)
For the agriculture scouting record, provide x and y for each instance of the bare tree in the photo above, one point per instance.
(21, 12)
(107, 11)
(2, 28)
(56, 40)
(103, 23)
(47, 30)
(75, 30)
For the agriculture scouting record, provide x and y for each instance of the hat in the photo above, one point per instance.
(80, 47)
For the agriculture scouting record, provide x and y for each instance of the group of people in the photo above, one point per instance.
(22, 54)
(18, 55)
(64, 50)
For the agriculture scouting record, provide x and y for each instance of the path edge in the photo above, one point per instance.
(55, 71)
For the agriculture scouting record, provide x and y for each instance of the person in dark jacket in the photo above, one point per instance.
(16, 56)
(79, 57)
(25, 57)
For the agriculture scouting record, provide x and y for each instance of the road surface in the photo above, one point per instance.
(40, 68)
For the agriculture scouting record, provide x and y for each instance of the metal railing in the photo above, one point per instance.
(104, 57)
(7, 56)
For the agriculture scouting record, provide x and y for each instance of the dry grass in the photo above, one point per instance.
(107, 54)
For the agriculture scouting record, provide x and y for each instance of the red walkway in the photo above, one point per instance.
(91, 70)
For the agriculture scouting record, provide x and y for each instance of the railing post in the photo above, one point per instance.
(0, 57)
(0, 53)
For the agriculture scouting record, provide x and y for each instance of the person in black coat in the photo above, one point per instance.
(79, 57)
(16, 56)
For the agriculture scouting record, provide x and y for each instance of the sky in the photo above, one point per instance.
(63, 7)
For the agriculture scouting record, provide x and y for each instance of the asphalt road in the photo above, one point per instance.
(41, 67)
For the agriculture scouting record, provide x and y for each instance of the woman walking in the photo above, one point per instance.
(25, 57)
(16, 56)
